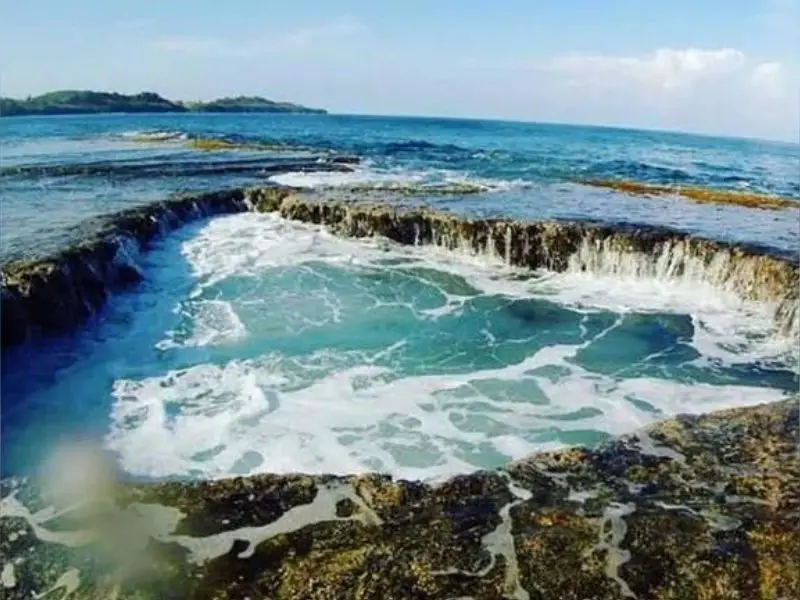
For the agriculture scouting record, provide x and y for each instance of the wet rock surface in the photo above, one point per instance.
(693, 507)
(59, 293)
(184, 168)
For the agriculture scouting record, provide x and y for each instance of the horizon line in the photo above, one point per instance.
(514, 120)
(328, 112)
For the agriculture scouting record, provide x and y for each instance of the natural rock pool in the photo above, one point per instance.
(260, 344)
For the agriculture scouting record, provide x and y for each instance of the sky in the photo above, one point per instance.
(729, 67)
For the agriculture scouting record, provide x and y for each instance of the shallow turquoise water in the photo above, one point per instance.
(257, 345)
(263, 345)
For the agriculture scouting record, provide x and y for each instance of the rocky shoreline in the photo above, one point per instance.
(696, 507)
(691, 508)
(57, 294)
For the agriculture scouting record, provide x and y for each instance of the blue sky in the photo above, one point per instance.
(707, 66)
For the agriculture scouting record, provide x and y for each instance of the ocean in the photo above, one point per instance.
(258, 344)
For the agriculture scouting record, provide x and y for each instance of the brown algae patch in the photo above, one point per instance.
(211, 144)
(698, 194)
(216, 145)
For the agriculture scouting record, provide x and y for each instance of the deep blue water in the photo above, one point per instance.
(532, 170)
(256, 344)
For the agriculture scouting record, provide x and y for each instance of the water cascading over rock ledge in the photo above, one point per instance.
(752, 272)
(57, 294)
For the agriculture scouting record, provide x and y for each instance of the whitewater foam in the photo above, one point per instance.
(332, 355)
(155, 136)
(369, 177)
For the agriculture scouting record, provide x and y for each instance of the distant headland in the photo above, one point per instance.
(78, 102)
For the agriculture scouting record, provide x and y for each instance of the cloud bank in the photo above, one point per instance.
(715, 90)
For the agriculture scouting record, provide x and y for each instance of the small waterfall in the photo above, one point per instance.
(689, 261)
(508, 243)
(58, 293)
(625, 252)
(669, 261)
(699, 263)
(125, 264)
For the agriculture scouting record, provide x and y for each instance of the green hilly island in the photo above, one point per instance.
(75, 102)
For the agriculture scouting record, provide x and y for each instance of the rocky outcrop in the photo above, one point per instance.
(58, 293)
(181, 167)
(692, 508)
(365, 191)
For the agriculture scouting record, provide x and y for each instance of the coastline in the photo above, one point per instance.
(82, 102)
(691, 507)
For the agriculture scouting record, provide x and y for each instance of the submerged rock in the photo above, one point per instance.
(395, 189)
(698, 194)
(181, 167)
(693, 507)
(59, 293)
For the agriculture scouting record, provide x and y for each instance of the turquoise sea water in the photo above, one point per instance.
(257, 345)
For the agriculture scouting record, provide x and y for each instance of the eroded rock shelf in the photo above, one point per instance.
(57, 294)
(694, 507)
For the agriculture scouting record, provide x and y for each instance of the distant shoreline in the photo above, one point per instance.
(85, 102)
(184, 108)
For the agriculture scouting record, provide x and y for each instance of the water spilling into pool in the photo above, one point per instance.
(257, 344)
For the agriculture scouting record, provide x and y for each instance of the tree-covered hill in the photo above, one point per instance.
(66, 102)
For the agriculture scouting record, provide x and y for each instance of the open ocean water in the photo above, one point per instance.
(256, 344)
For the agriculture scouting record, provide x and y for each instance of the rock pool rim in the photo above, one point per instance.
(57, 294)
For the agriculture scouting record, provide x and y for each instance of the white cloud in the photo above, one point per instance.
(665, 68)
(770, 78)
(705, 90)
(296, 41)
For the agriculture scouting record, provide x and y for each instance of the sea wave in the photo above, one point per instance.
(416, 146)
(367, 178)
(638, 171)
(155, 136)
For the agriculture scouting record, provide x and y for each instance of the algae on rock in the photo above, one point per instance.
(697, 507)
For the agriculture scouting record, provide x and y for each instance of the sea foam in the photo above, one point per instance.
(340, 356)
